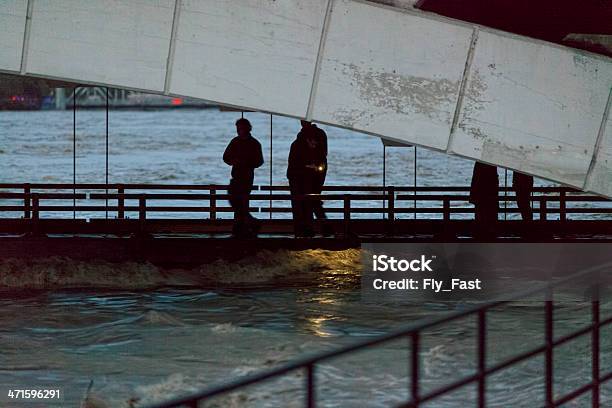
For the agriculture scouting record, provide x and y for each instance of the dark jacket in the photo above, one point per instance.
(522, 182)
(244, 155)
(485, 184)
(320, 137)
(301, 155)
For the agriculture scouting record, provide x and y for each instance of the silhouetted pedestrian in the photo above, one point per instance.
(319, 137)
(244, 155)
(484, 194)
(304, 173)
(523, 185)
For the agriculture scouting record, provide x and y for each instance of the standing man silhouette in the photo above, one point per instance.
(318, 138)
(301, 176)
(244, 155)
(523, 185)
(306, 173)
(484, 194)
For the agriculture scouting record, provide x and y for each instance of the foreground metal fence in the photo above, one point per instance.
(484, 371)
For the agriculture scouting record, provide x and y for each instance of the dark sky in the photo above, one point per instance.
(549, 20)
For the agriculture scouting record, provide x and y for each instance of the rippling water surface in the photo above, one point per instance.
(153, 345)
(186, 146)
(147, 343)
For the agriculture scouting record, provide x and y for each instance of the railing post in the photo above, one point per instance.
(542, 208)
(482, 358)
(562, 206)
(142, 211)
(35, 206)
(391, 209)
(347, 214)
(26, 201)
(310, 386)
(213, 204)
(595, 342)
(414, 370)
(120, 202)
(446, 208)
(549, 375)
(35, 213)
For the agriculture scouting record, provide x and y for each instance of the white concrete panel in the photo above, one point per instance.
(600, 179)
(115, 42)
(12, 21)
(391, 73)
(528, 105)
(533, 107)
(251, 53)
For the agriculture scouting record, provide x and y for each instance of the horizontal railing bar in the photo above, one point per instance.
(432, 197)
(196, 196)
(362, 210)
(63, 208)
(12, 208)
(284, 210)
(99, 186)
(424, 188)
(333, 210)
(141, 186)
(43, 196)
(155, 196)
(192, 209)
(587, 211)
(579, 199)
(100, 208)
(329, 188)
(324, 197)
(401, 210)
(512, 198)
(148, 196)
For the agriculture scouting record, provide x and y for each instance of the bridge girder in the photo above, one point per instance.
(405, 75)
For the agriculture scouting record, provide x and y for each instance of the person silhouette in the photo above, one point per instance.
(484, 194)
(318, 137)
(244, 155)
(303, 172)
(523, 185)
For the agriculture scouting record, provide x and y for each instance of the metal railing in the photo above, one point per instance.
(391, 202)
(412, 334)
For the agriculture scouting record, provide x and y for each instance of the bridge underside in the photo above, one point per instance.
(405, 75)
